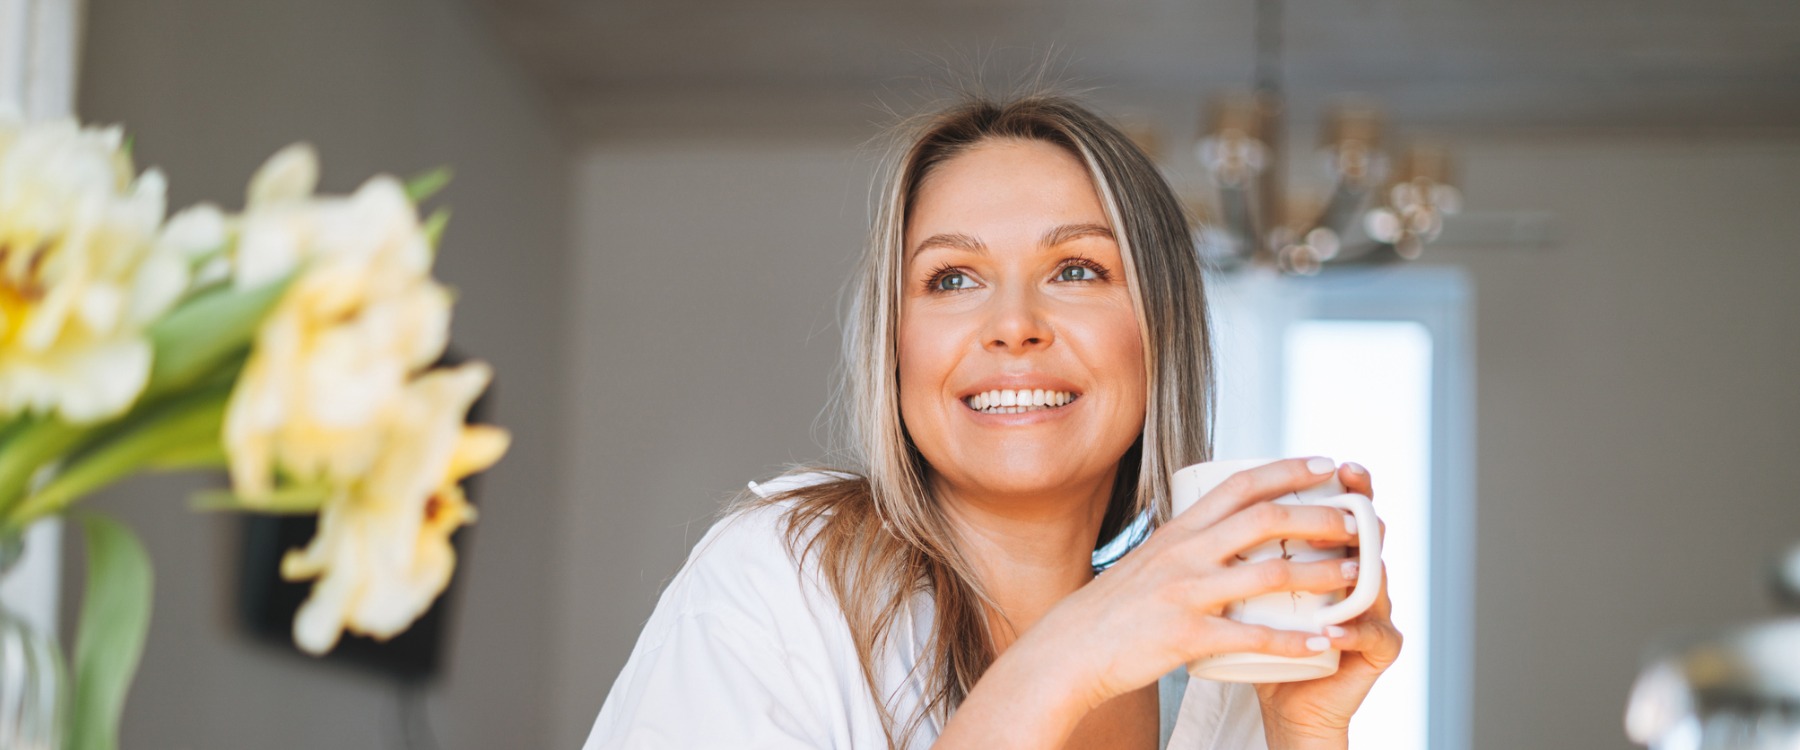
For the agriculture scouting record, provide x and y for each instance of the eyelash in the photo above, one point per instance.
(1087, 263)
(937, 274)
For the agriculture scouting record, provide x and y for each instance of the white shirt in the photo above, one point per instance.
(748, 650)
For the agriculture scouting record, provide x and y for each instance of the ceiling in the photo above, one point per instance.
(802, 68)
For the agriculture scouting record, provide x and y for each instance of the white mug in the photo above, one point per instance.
(1288, 610)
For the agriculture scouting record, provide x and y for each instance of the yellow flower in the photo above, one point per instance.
(333, 357)
(83, 271)
(332, 399)
(382, 553)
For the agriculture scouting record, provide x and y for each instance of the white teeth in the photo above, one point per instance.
(1016, 401)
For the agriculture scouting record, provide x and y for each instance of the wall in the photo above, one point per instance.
(1635, 392)
(1637, 415)
(704, 346)
(209, 88)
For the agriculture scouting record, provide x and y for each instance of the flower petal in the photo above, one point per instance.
(290, 175)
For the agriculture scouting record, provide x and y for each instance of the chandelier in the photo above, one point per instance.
(1373, 214)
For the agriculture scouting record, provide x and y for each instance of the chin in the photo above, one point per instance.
(1033, 473)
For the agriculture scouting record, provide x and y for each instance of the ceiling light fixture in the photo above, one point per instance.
(1243, 149)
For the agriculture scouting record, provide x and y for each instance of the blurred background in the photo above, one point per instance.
(1579, 402)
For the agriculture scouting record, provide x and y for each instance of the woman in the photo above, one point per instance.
(1027, 362)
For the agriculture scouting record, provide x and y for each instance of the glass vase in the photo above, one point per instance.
(31, 669)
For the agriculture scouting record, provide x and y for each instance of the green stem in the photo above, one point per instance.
(285, 501)
(31, 448)
(12, 427)
(177, 427)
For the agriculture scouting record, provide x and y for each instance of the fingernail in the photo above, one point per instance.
(1356, 468)
(1349, 523)
(1335, 631)
(1318, 643)
(1321, 465)
(1350, 568)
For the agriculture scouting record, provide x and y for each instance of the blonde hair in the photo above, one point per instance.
(878, 536)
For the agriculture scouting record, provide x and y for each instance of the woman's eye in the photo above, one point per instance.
(951, 281)
(1077, 273)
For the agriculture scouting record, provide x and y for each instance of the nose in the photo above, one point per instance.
(1016, 322)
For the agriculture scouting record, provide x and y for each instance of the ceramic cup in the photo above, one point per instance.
(1288, 610)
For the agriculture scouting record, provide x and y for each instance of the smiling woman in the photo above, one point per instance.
(1014, 314)
(1027, 361)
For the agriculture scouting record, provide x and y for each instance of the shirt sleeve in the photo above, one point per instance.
(711, 682)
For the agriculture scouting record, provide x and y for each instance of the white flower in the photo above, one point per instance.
(82, 271)
(331, 360)
(382, 553)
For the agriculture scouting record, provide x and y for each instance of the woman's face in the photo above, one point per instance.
(1021, 368)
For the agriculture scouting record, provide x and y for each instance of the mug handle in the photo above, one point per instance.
(1368, 577)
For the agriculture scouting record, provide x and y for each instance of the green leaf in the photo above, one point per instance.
(205, 332)
(109, 639)
(422, 187)
(287, 501)
(434, 227)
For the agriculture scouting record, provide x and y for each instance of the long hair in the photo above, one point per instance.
(878, 536)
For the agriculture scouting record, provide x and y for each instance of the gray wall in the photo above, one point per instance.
(1634, 392)
(705, 339)
(210, 88)
(1637, 415)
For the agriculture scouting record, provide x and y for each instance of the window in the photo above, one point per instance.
(37, 67)
(1372, 365)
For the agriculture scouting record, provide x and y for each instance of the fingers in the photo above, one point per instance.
(1383, 607)
(1230, 636)
(1246, 580)
(1251, 486)
(1375, 638)
(1356, 479)
(1263, 522)
(1382, 532)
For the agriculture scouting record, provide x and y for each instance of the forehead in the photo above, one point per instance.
(1002, 185)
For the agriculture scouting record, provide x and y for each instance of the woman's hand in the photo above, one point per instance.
(1316, 713)
(1163, 604)
(1158, 608)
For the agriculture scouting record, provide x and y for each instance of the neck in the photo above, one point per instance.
(1029, 552)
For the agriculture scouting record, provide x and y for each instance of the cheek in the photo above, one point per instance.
(927, 352)
(1117, 356)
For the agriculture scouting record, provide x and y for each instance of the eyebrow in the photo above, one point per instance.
(1052, 238)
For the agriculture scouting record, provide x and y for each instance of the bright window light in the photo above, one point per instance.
(1361, 391)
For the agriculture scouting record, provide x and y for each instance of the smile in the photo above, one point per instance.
(1018, 402)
